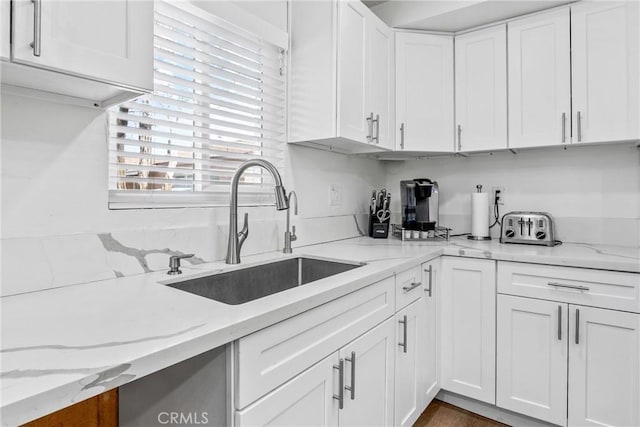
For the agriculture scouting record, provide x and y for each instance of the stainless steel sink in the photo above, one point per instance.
(248, 284)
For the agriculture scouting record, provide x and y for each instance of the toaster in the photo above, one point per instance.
(532, 228)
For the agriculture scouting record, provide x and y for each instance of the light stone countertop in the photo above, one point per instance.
(60, 346)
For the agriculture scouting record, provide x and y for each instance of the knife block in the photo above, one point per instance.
(378, 230)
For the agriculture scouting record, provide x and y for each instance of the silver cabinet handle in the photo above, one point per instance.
(459, 138)
(403, 344)
(579, 126)
(37, 27)
(411, 287)
(564, 127)
(560, 322)
(577, 326)
(352, 387)
(561, 285)
(377, 128)
(370, 127)
(430, 271)
(402, 136)
(340, 396)
(375, 122)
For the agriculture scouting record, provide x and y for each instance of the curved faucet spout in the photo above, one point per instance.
(233, 248)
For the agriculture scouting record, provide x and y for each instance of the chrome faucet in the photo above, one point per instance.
(290, 236)
(236, 239)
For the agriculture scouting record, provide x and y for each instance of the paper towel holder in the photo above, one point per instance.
(478, 238)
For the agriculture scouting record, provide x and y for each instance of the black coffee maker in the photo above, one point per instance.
(419, 198)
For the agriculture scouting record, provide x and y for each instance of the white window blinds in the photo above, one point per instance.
(219, 100)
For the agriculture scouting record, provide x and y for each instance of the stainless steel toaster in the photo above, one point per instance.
(532, 228)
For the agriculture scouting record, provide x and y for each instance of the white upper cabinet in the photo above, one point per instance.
(5, 30)
(539, 80)
(341, 70)
(481, 89)
(381, 86)
(424, 92)
(354, 121)
(605, 40)
(110, 42)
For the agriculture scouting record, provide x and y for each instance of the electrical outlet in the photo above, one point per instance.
(335, 195)
(497, 192)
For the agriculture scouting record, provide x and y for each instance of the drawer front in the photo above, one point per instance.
(271, 356)
(409, 287)
(596, 288)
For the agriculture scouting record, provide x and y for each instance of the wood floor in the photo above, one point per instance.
(441, 414)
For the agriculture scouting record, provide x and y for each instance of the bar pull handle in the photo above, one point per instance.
(403, 344)
(562, 285)
(37, 27)
(564, 127)
(560, 323)
(430, 271)
(579, 125)
(411, 287)
(577, 326)
(352, 387)
(369, 127)
(459, 138)
(402, 136)
(376, 122)
(340, 396)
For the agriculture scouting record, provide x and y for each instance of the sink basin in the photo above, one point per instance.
(248, 284)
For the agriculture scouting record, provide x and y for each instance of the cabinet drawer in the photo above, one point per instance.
(597, 288)
(271, 356)
(409, 287)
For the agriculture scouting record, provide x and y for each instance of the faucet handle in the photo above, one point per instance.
(293, 233)
(244, 233)
(174, 263)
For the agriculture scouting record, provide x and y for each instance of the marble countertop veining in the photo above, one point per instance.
(60, 346)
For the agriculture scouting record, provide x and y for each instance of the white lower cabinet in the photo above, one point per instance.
(532, 357)
(368, 383)
(468, 299)
(408, 395)
(563, 362)
(365, 370)
(429, 341)
(305, 400)
(604, 367)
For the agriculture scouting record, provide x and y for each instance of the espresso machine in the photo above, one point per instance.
(419, 199)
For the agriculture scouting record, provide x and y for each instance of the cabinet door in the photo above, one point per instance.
(539, 80)
(532, 357)
(481, 89)
(408, 395)
(368, 399)
(429, 341)
(468, 327)
(5, 30)
(381, 82)
(604, 367)
(605, 39)
(424, 92)
(353, 78)
(110, 41)
(305, 400)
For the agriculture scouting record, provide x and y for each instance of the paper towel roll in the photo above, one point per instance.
(480, 214)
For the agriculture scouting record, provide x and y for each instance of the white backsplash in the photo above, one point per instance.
(593, 192)
(58, 231)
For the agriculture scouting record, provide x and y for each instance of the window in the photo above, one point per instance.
(219, 100)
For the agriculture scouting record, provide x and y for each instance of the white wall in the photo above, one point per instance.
(592, 191)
